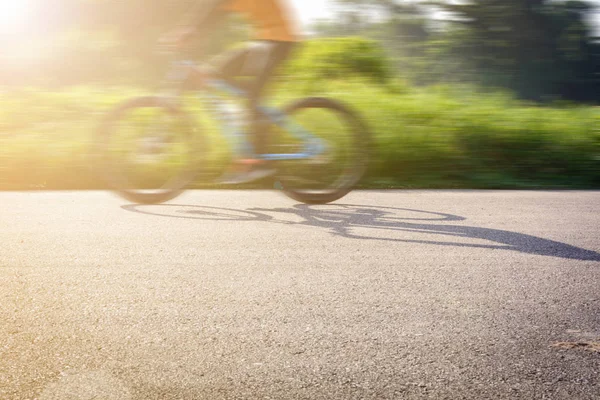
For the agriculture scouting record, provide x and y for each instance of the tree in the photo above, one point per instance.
(540, 49)
(401, 27)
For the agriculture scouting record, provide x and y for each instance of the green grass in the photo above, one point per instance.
(451, 137)
(443, 137)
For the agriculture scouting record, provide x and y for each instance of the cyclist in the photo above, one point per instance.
(275, 34)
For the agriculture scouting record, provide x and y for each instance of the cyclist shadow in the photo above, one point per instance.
(344, 220)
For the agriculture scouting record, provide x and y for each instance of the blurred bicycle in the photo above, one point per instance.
(151, 149)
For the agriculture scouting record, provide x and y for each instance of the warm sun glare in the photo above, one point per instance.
(13, 14)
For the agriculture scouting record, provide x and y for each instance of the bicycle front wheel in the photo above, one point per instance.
(343, 160)
(149, 150)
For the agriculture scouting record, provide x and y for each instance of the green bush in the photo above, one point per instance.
(446, 137)
(340, 58)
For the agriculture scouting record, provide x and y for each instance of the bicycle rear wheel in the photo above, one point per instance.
(149, 150)
(334, 173)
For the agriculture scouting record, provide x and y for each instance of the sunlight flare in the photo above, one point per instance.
(13, 15)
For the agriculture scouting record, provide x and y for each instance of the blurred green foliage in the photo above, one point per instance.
(337, 58)
(423, 89)
(541, 50)
(444, 136)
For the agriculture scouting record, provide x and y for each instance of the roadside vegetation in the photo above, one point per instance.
(442, 136)
(477, 94)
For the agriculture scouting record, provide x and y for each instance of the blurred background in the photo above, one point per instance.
(473, 93)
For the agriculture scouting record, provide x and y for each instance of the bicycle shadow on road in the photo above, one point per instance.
(344, 219)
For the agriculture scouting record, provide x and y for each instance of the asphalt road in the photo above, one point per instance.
(248, 295)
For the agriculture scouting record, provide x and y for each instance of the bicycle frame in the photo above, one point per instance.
(313, 146)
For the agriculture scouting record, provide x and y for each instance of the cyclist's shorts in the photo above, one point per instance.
(272, 18)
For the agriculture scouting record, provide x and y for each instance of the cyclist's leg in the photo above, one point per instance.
(251, 68)
(230, 66)
(275, 55)
(239, 68)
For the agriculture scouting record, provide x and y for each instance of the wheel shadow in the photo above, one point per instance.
(344, 219)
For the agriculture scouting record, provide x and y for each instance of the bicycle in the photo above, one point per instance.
(169, 149)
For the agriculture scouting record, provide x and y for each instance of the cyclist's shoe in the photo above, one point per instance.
(247, 170)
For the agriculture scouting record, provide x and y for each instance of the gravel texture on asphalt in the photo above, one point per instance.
(249, 295)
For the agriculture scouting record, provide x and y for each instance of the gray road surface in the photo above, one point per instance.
(248, 295)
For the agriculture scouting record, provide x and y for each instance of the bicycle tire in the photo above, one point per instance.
(115, 177)
(358, 148)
